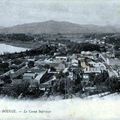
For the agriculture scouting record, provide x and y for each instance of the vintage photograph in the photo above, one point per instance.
(59, 60)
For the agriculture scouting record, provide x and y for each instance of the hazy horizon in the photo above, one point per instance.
(100, 12)
(57, 21)
(53, 21)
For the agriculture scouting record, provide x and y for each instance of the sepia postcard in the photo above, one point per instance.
(59, 59)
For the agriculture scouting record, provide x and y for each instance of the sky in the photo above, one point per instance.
(98, 12)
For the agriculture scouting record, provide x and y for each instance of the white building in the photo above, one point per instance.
(61, 58)
(96, 67)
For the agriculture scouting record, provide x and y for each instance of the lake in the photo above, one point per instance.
(10, 49)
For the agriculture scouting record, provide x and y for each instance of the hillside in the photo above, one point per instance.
(58, 27)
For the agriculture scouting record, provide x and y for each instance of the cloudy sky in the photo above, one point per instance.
(100, 12)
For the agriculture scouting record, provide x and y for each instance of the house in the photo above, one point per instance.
(29, 76)
(94, 69)
(60, 67)
(83, 63)
(18, 72)
(90, 66)
(98, 65)
(61, 58)
(34, 74)
(114, 62)
(37, 69)
(74, 62)
(87, 54)
(39, 77)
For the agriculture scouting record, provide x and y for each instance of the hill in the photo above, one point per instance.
(58, 27)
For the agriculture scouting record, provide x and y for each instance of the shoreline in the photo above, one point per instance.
(28, 45)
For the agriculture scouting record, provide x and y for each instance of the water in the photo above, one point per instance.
(10, 49)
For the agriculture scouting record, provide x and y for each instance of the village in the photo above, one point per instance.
(61, 72)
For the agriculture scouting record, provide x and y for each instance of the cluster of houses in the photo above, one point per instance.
(45, 71)
(42, 71)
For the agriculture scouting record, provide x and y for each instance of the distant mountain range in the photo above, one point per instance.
(1, 27)
(58, 27)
